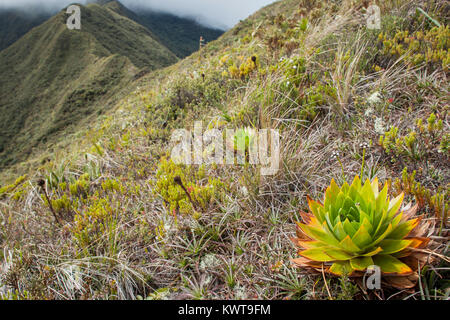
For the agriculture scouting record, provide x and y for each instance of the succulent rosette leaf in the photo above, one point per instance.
(358, 226)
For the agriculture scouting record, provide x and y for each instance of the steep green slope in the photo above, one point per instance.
(54, 77)
(180, 35)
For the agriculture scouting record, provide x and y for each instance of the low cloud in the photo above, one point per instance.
(215, 13)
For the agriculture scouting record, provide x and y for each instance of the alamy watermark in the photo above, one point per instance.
(373, 17)
(232, 147)
(74, 21)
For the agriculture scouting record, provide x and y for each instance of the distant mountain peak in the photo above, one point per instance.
(69, 76)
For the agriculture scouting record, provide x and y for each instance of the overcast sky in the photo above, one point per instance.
(217, 13)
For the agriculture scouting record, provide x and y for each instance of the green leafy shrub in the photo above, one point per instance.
(9, 188)
(419, 143)
(186, 190)
(94, 223)
(246, 67)
(425, 198)
(430, 47)
(80, 187)
(112, 185)
(62, 204)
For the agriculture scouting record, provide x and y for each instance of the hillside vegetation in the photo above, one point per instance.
(111, 216)
(54, 78)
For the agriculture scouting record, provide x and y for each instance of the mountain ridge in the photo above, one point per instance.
(61, 73)
(180, 35)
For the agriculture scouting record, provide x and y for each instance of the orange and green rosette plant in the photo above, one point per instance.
(358, 226)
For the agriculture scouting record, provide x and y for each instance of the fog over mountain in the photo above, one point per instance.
(214, 13)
